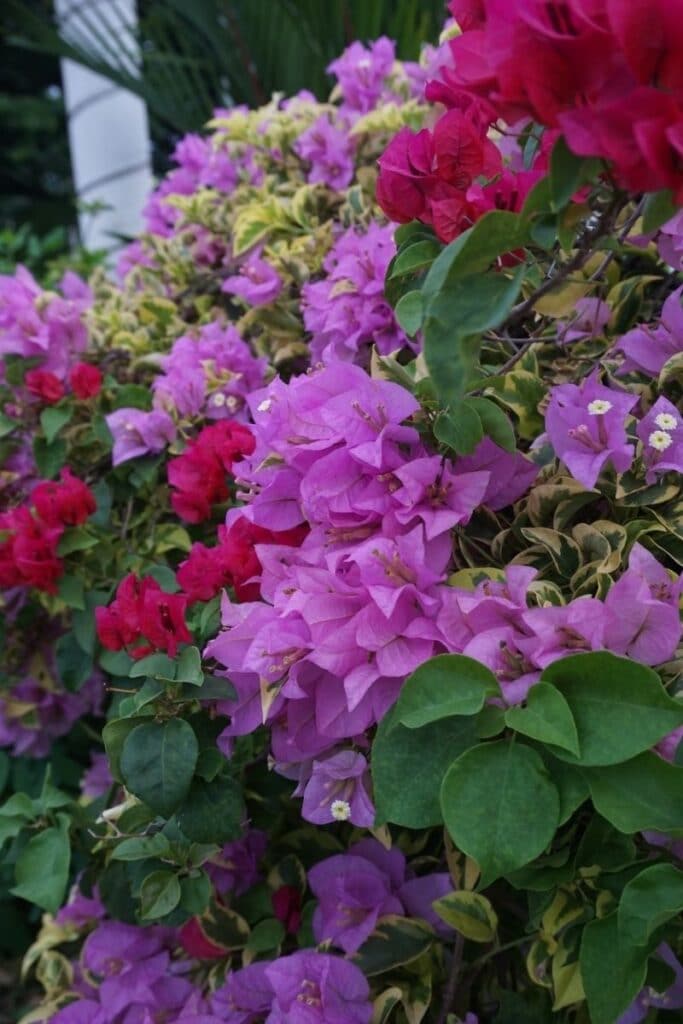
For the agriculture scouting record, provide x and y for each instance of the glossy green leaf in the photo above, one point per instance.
(141, 847)
(408, 766)
(659, 208)
(460, 429)
(42, 869)
(157, 763)
(409, 312)
(394, 942)
(546, 717)
(641, 794)
(158, 665)
(495, 423)
(52, 419)
(159, 895)
(195, 893)
(213, 812)
(473, 252)
(454, 322)
(500, 806)
(415, 257)
(612, 972)
(49, 457)
(470, 913)
(447, 685)
(189, 667)
(648, 901)
(619, 706)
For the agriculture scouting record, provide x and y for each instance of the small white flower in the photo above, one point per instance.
(265, 405)
(129, 426)
(218, 400)
(232, 402)
(660, 440)
(599, 406)
(666, 421)
(341, 810)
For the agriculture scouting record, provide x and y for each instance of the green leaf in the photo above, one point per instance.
(195, 893)
(71, 591)
(76, 539)
(157, 763)
(49, 457)
(415, 257)
(10, 827)
(394, 942)
(159, 666)
(132, 396)
(658, 209)
(266, 936)
(42, 869)
(469, 913)
(641, 794)
(114, 735)
(619, 706)
(485, 795)
(142, 847)
(189, 667)
(460, 429)
(159, 895)
(444, 686)
(495, 423)
(409, 312)
(648, 901)
(408, 766)
(613, 973)
(473, 252)
(7, 425)
(546, 717)
(213, 811)
(74, 666)
(455, 320)
(53, 419)
(567, 173)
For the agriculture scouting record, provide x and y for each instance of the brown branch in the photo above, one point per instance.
(452, 982)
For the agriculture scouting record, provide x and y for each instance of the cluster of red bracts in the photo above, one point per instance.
(30, 535)
(198, 477)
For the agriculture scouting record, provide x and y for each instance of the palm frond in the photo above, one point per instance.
(187, 56)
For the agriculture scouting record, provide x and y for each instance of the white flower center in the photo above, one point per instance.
(218, 399)
(265, 405)
(666, 421)
(660, 440)
(232, 402)
(599, 406)
(341, 810)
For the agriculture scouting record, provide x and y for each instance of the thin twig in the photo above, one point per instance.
(602, 225)
(623, 234)
(452, 983)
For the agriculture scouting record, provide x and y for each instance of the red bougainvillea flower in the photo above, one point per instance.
(85, 380)
(142, 611)
(44, 385)
(233, 562)
(67, 503)
(198, 477)
(28, 554)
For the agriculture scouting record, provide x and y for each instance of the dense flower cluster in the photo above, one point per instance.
(31, 534)
(143, 618)
(606, 73)
(346, 311)
(293, 527)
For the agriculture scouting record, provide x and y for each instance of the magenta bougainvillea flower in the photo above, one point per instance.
(647, 348)
(661, 434)
(586, 425)
(314, 988)
(257, 282)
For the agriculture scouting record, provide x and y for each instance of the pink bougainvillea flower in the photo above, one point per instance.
(586, 425)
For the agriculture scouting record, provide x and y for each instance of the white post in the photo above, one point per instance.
(108, 129)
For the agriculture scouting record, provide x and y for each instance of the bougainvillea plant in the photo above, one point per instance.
(340, 554)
